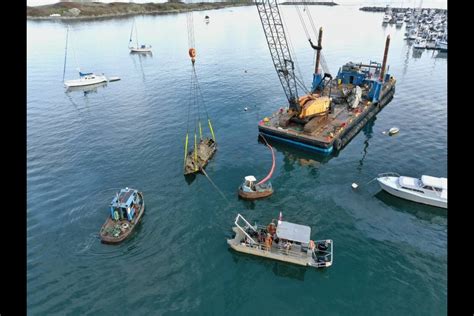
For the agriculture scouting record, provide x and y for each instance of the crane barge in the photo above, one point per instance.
(335, 110)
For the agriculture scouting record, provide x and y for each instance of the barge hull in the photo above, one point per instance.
(309, 143)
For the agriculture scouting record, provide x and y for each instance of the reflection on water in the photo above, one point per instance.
(291, 271)
(417, 52)
(280, 269)
(368, 130)
(422, 211)
(140, 55)
(93, 88)
(440, 54)
(295, 157)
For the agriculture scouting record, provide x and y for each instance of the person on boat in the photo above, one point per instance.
(268, 242)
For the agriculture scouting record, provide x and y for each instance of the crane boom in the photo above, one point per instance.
(276, 39)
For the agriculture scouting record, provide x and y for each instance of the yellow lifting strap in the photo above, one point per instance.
(212, 131)
(195, 153)
(200, 130)
(185, 149)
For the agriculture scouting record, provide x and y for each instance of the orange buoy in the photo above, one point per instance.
(192, 54)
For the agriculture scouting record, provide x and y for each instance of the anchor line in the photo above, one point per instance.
(215, 186)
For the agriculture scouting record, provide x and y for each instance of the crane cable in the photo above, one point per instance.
(195, 94)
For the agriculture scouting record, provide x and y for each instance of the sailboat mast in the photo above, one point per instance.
(131, 34)
(65, 52)
(136, 35)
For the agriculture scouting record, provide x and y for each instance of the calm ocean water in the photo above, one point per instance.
(390, 254)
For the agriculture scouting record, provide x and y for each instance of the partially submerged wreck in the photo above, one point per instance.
(197, 158)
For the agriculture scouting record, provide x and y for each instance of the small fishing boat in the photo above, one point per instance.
(198, 159)
(126, 211)
(420, 43)
(427, 190)
(251, 191)
(283, 241)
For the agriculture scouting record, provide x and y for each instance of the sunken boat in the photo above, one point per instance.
(197, 158)
(282, 241)
(126, 211)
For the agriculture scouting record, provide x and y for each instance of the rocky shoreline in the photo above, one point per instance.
(78, 11)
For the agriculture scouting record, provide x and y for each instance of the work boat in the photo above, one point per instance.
(85, 79)
(427, 190)
(283, 241)
(251, 191)
(126, 211)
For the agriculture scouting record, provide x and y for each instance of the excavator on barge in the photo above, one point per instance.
(328, 116)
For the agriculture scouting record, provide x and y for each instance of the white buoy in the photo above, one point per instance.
(393, 131)
(355, 185)
(246, 108)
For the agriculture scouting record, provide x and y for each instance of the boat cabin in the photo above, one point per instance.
(433, 183)
(249, 184)
(125, 205)
(295, 234)
(426, 183)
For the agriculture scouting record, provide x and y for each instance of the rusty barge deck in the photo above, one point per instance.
(330, 131)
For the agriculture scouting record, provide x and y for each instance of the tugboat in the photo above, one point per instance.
(126, 211)
(335, 110)
(283, 241)
(251, 191)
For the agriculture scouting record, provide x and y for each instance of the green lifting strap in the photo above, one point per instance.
(212, 131)
(185, 149)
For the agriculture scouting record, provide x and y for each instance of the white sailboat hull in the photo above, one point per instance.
(390, 185)
(85, 81)
(140, 50)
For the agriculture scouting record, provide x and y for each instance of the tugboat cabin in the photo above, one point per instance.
(249, 184)
(125, 205)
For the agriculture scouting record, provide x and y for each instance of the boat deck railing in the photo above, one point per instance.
(388, 174)
(247, 225)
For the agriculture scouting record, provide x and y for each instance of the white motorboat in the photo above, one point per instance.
(85, 79)
(386, 18)
(420, 43)
(138, 48)
(413, 34)
(427, 190)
